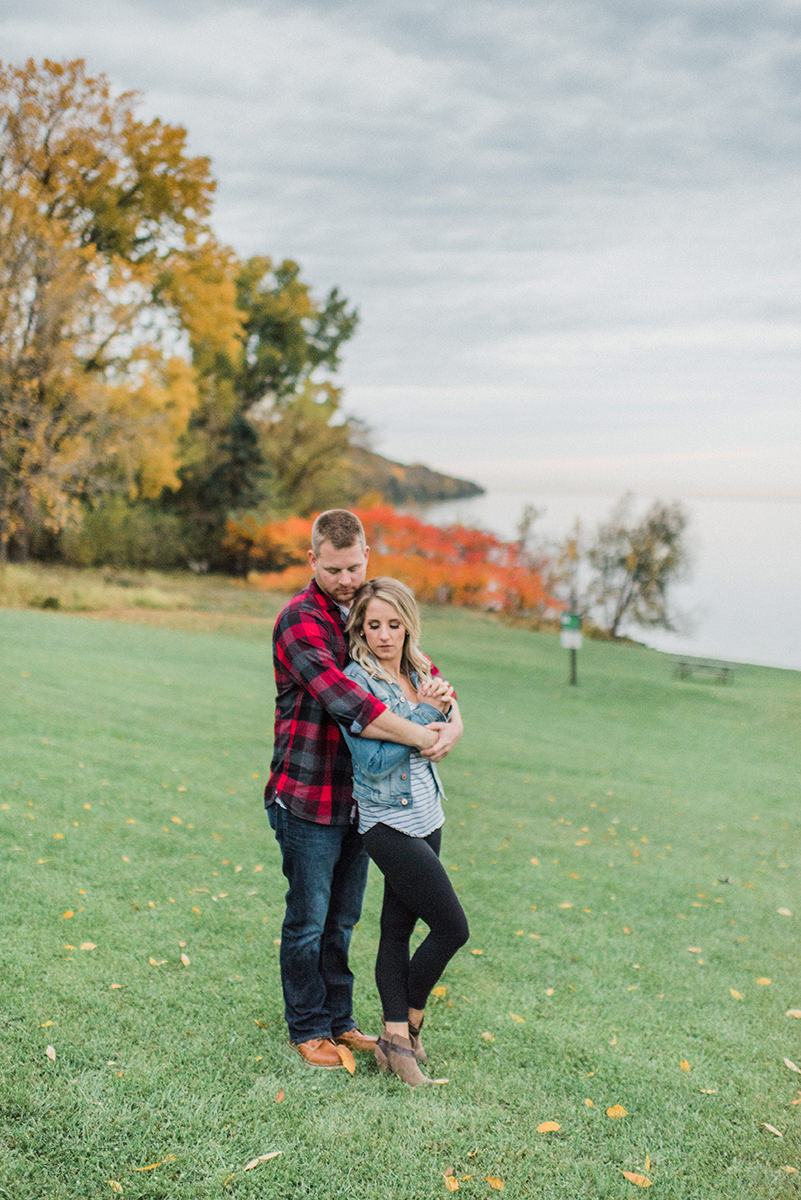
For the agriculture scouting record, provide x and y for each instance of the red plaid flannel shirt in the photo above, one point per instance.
(311, 767)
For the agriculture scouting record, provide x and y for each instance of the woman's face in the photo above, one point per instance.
(384, 631)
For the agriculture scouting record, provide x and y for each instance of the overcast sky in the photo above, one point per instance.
(572, 227)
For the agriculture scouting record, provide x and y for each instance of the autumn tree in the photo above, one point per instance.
(269, 432)
(112, 287)
(633, 565)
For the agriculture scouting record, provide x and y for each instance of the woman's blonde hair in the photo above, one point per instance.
(402, 600)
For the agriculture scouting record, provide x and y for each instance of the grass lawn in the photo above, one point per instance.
(627, 852)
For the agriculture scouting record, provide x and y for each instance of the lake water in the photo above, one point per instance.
(743, 589)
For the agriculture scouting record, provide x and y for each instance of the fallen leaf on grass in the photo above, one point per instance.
(772, 1129)
(737, 995)
(487, 1037)
(685, 1066)
(156, 962)
(152, 1166)
(793, 1012)
(347, 1059)
(763, 982)
(616, 1112)
(439, 992)
(792, 1066)
(279, 1097)
(254, 1162)
(51, 1053)
(496, 1183)
(185, 959)
(784, 912)
(115, 1186)
(88, 946)
(640, 1180)
(451, 1184)
(520, 1020)
(549, 1127)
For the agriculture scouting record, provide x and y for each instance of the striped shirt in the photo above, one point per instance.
(425, 813)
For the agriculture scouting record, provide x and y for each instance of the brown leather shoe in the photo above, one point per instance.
(354, 1039)
(319, 1052)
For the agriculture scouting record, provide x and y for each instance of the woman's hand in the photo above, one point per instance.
(437, 692)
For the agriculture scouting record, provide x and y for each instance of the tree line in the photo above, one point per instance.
(151, 382)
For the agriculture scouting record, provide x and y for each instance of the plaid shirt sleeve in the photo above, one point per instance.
(311, 768)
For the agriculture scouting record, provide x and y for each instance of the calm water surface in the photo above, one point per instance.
(743, 590)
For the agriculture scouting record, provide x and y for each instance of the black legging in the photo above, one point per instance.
(416, 885)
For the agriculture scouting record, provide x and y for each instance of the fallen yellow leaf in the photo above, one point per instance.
(520, 1020)
(451, 1184)
(496, 1183)
(792, 1066)
(763, 981)
(88, 945)
(793, 1012)
(347, 1059)
(685, 1066)
(640, 1180)
(549, 1127)
(439, 992)
(254, 1162)
(616, 1111)
(279, 1097)
(115, 1186)
(66, 915)
(51, 1053)
(772, 1129)
(735, 994)
(156, 962)
(185, 959)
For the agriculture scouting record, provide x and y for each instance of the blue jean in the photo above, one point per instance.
(326, 868)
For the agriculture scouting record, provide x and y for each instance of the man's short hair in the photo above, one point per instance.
(339, 527)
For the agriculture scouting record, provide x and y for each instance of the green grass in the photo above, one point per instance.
(622, 849)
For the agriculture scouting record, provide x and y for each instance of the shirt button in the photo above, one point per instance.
(404, 802)
(403, 776)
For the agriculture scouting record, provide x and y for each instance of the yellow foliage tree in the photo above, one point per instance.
(111, 286)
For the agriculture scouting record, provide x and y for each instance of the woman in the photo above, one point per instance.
(399, 796)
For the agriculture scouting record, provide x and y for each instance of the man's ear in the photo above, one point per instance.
(312, 559)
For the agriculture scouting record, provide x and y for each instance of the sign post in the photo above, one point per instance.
(571, 640)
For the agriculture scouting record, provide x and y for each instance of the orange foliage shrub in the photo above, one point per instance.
(454, 565)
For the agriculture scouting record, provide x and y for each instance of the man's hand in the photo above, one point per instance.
(437, 692)
(448, 734)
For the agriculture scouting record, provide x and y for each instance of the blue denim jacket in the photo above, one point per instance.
(381, 769)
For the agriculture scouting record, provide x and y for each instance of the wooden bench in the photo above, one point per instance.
(685, 668)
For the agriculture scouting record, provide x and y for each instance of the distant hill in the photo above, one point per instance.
(399, 483)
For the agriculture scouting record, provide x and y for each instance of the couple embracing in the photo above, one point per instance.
(362, 716)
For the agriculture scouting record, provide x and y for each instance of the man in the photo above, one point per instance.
(309, 793)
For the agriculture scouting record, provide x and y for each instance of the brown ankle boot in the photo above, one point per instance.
(394, 1055)
(417, 1045)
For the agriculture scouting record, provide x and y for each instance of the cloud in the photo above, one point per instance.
(561, 220)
